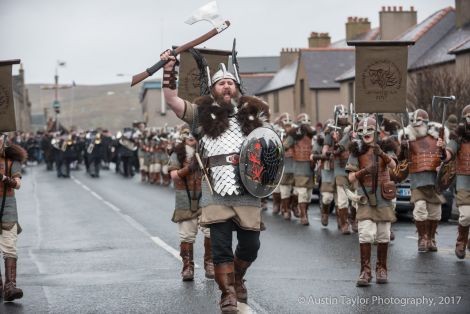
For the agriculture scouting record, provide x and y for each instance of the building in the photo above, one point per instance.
(22, 102)
(441, 45)
(154, 109)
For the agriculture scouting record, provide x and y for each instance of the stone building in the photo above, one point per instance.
(22, 102)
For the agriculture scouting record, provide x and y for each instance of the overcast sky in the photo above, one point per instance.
(101, 38)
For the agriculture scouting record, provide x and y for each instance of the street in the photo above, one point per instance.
(107, 245)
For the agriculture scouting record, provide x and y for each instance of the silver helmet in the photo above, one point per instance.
(223, 73)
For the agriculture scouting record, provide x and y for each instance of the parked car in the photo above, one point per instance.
(405, 207)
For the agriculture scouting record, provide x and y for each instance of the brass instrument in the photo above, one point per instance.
(128, 143)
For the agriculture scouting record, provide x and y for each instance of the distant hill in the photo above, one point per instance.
(112, 106)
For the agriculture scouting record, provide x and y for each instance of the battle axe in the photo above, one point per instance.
(209, 13)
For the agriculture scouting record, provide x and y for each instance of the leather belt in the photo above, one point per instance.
(222, 160)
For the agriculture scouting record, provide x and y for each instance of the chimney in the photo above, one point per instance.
(319, 40)
(394, 21)
(462, 10)
(288, 55)
(356, 26)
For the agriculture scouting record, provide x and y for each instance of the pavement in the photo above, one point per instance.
(107, 245)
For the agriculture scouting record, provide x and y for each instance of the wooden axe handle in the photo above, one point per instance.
(157, 66)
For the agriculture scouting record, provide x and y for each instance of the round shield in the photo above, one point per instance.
(261, 162)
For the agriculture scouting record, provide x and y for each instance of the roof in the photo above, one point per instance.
(373, 34)
(253, 82)
(462, 47)
(284, 78)
(433, 38)
(149, 85)
(257, 64)
(324, 65)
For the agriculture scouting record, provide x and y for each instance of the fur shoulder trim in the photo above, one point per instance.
(213, 119)
(356, 148)
(389, 145)
(16, 153)
(435, 127)
(252, 113)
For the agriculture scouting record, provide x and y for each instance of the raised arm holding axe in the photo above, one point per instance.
(209, 13)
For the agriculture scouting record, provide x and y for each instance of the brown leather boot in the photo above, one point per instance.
(303, 214)
(285, 208)
(240, 270)
(422, 236)
(166, 179)
(294, 205)
(143, 176)
(186, 253)
(156, 179)
(225, 278)
(276, 203)
(11, 292)
(462, 239)
(208, 264)
(381, 267)
(431, 231)
(366, 275)
(352, 219)
(325, 213)
(343, 220)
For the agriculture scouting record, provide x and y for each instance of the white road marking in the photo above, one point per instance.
(135, 224)
(242, 308)
(412, 237)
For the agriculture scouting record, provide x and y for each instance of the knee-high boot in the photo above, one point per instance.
(366, 275)
(11, 292)
(225, 278)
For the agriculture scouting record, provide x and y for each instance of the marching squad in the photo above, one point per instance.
(353, 162)
(228, 158)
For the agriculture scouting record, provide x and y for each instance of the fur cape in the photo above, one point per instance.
(213, 119)
(357, 148)
(305, 130)
(433, 130)
(15, 153)
(459, 134)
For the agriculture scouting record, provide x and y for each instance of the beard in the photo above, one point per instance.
(219, 98)
(421, 130)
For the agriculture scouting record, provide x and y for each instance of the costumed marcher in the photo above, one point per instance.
(389, 129)
(424, 156)
(282, 196)
(94, 153)
(11, 158)
(222, 120)
(143, 155)
(338, 142)
(368, 165)
(327, 185)
(458, 148)
(162, 157)
(187, 180)
(300, 139)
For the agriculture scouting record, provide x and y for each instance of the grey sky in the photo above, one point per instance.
(100, 38)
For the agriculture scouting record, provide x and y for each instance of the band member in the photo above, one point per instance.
(223, 119)
(327, 186)
(424, 156)
(459, 148)
(11, 158)
(369, 165)
(187, 180)
(300, 139)
(289, 200)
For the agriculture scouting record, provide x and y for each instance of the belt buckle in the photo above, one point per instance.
(233, 159)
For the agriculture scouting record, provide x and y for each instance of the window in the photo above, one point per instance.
(351, 92)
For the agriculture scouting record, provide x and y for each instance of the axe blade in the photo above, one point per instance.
(208, 12)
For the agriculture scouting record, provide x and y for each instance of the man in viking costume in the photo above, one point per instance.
(458, 148)
(368, 165)
(337, 142)
(325, 158)
(280, 125)
(11, 158)
(187, 180)
(424, 156)
(222, 120)
(300, 140)
(289, 200)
